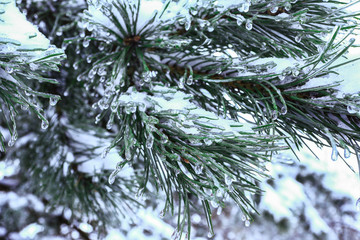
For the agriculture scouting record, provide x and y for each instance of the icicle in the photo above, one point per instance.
(219, 210)
(91, 73)
(247, 223)
(358, 205)
(248, 25)
(334, 154)
(346, 152)
(112, 176)
(109, 124)
(44, 124)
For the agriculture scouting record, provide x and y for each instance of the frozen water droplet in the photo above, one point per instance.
(11, 142)
(86, 43)
(109, 124)
(346, 152)
(190, 80)
(358, 205)
(298, 38)
(208, 141)
(214, 203)
(97, 118)
(76, 65)
(44, 124)
(295, 72)
(198, 169)
(130, 108)
(211, 29)
(228, 180)
(248, 25)
(187, 24)
(243, 218)
(101, 46)
(101, 71)
(112, 176)
(287, 6)
(9, 69)
(24, 106)
(33, 66)
(53, 101)
(283, 110)
(247, 223)
(59, 33)
(274, 9)
(274, 115)
(239, 20)
(210, 234)
(352, 109)
(334, 154)
(142, 107)
(150, 141)
(219, 210)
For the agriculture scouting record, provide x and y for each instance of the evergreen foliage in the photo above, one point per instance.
(186, 98)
